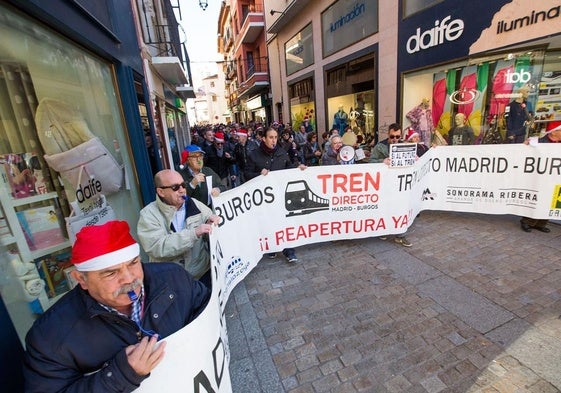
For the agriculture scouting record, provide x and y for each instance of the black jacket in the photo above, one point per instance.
(258, 160)
(200, 192)
(78, 346)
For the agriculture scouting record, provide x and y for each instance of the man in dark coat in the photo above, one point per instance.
(269, 156)
(102, 336)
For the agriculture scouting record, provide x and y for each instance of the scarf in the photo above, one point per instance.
(267, 150)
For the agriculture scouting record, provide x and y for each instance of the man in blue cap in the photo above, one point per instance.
(197, 176)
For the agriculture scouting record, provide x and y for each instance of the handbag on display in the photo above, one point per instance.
(100, 213)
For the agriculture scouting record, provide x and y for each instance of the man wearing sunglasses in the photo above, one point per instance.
(381, 153)
(174, 227)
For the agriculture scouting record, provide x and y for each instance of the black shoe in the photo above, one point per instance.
(542, 229)
(526, 227)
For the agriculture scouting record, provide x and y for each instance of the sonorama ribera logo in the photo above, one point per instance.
(445, 30)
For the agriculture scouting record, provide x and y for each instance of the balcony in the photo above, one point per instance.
(169, 68)
(256, 78)
(227, 40)
(253, 25)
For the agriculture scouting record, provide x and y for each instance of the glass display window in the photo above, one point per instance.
(55, 98)
(499, 98)
(354, 112)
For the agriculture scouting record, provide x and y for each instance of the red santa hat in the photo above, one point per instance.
(219, 137)
(98, 247)
(242, 131)
(411, 133)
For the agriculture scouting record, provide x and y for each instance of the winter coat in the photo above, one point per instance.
(78, 346)
(162, 243)
(200, 192)
(380, 152)
(258, 160)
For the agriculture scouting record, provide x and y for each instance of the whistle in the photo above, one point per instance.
(132, 296)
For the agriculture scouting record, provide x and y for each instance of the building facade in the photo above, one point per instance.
(241, 41)
(366, 64)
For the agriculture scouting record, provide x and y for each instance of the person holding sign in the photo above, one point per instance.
(381, 153)
(196, 175)
(412, 136)
(103, 335)
(527, 223)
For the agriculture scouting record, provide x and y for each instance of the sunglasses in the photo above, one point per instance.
(175, 187)
(394, 136)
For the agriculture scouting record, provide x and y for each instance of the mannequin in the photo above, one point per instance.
(353, 116)
(421, 120)
(519, 117)
(340, 120)
(461, 133)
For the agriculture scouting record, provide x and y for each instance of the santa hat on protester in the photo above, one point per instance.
(98, 247)
(242, 131)
(219, 137)
(553, 129)
(411, 133)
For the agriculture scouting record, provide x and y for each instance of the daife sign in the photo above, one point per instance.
(443, 31)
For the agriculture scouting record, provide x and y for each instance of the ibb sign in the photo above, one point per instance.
(445, 30)
(518, 77)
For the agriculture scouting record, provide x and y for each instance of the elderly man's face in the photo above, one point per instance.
(165, 191)
(195, 161)
(111, 286)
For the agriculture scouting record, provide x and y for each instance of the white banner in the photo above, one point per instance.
(293, 208)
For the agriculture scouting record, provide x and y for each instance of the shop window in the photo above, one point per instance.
(498, 96)
(350, 99)
(302, 104)
(299, 50)
(54, 98)
(411, 7)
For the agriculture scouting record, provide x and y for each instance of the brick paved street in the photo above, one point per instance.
(473, 306)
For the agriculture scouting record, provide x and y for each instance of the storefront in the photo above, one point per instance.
(351, 98)
(490, 68)
(299, 54)
(302, 104)
(64, 147)
(256, 109)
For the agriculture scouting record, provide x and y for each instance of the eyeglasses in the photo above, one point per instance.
(394, 136)
(197, 156)
(175, 187)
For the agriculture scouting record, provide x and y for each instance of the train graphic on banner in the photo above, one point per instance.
(299, 199)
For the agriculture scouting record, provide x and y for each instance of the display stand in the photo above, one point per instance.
(35, 252)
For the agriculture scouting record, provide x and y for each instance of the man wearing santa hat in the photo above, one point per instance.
(175, 227)
(103, 334)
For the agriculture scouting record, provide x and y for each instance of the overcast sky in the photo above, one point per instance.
(201, 28)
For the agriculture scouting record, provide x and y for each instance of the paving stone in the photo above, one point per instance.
(370, 316)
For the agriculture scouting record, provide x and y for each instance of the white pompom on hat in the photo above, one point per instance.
(411, 133)
(98, 247)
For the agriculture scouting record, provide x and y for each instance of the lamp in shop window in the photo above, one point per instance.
(203, 4)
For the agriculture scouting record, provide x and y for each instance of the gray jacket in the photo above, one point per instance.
(162, 243)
